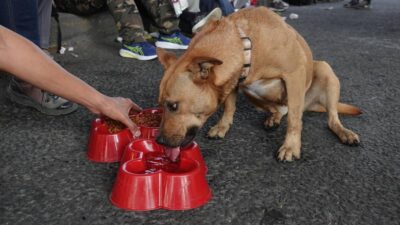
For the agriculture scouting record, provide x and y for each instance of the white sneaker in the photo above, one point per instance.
(215, 14)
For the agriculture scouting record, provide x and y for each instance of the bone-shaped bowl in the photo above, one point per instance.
(146, 180)
(108, 147)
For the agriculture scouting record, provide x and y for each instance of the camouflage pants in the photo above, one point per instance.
(157, 15)
(80, 7)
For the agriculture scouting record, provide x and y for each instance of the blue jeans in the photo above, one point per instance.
(208, 5)
(226, 7)
(21, 16)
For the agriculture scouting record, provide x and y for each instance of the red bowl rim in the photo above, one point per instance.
(195, 170)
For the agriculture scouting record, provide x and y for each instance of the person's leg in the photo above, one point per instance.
(146, 18)
(194, 6)
(200, 21)
(188, 16)
(162, 15)
(130, 27)
(80, 7)
(207, 5)
(127, 20)
(164, 18)
(240, 3)
(278, 5)
(226, 7)
(20, 16)
(44, 19)
(191, 21)
(358, 4)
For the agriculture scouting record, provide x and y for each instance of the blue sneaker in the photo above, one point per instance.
(173, 41)
(138, 50)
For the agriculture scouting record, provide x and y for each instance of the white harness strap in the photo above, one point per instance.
(247, 54)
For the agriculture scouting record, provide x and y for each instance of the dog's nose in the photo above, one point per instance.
(160, 140)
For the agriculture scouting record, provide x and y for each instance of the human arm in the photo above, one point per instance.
(27, 62)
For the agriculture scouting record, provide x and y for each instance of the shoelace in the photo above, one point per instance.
(175, 40)
(49, 96)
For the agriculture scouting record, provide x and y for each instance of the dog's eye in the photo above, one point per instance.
(172, 106)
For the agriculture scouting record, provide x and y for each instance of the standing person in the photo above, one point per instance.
(22, 16)
(130, 18)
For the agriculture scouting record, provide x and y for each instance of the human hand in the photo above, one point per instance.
(118, 108)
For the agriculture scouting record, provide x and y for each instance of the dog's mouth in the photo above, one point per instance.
(173, 152)
(173, 149)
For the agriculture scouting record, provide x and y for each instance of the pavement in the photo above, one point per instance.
(45, 177)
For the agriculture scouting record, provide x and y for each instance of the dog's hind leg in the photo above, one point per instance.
(329, 98)
(277, 112)
(223, 125)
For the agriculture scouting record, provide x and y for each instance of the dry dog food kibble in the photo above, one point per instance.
(145, 120)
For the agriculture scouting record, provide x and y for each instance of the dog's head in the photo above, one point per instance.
(193, 85)
(188, 96)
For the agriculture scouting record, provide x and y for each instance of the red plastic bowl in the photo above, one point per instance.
(149, 132)
(108, 147)
(147, 180)
(104, 146)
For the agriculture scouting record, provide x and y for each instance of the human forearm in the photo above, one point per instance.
(27, 62)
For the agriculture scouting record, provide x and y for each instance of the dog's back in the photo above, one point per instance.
(285, 47)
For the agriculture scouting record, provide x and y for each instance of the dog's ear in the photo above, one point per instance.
(166, 58)
(202, 66)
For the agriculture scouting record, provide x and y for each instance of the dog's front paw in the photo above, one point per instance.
(349, 137)
(286, 153)
(217, 132)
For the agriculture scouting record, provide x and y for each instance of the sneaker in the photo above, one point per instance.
(202, 19)
(278, 6)
(49, 104)
(173, 41)
(138, 50)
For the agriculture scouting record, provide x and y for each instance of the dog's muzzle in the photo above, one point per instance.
(187, 140)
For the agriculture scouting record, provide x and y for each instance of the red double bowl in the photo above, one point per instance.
(148, 180)
(108, 147)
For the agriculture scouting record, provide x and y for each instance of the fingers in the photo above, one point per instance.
(135, 130)
(128, 122)
(118, 108)
(134, 106)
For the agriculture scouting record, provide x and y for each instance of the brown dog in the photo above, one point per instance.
(283, 79)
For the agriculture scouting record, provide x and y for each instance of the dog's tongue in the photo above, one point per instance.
(172, 153)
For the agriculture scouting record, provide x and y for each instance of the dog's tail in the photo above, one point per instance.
(342, 109)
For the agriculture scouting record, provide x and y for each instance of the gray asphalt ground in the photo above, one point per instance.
(45, 177)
